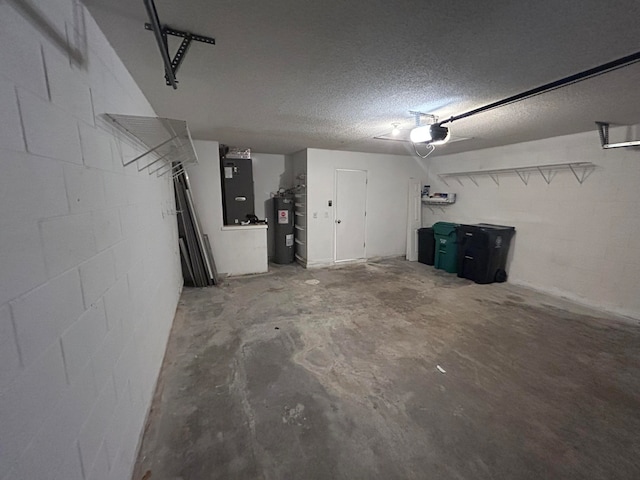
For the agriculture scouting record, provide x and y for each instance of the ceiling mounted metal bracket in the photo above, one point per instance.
(161, 31)
(418, 117)
(603, 131)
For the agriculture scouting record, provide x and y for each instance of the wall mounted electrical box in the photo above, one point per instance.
(236, 175)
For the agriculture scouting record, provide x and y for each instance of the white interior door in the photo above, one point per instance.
(414, 219)
(350, 220)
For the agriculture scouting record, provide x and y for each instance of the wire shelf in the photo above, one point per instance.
(580, 170)
(166, 143)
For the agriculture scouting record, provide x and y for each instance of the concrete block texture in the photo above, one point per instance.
(21, 54)
(67, 241)
(21, 258)
(97, 275)
(9, 355)
(41, 197)
(11, 136)
(27, 402)
(48, 129)
(68, 85)
(75, 227)
(43, 314)
(83, 338)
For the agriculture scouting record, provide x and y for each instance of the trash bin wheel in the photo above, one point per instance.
(501, 276)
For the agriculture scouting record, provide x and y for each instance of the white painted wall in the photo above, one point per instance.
(269, 174)
(89, 272)
(236, 252)
(388, 177)
(579, 241)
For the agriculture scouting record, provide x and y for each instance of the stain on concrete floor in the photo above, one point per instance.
(276, 377)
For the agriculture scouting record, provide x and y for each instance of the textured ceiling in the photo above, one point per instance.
(291, 74)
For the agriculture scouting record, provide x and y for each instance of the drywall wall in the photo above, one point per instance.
(89, 271)
(269, 174)
(579, 241)
(388, 180)
(235, 251)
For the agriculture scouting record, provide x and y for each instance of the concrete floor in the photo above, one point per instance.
(332, 374)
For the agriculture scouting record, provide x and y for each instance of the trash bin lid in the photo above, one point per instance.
(486, 228)
(494, 227)
(425, 230)
(444, 228)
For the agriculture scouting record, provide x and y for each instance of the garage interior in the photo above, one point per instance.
(355, 360)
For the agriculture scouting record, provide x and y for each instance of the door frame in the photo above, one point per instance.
(335, 215)
(413, 200)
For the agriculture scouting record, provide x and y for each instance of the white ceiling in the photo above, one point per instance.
(290, 74)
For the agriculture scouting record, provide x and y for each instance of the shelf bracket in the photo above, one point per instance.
(443, 180)
(431, 207)
(548, 177)
(495, 178)
(470, 177)
(586, 171)
(524, 176)
(161, 31)
(459, 181)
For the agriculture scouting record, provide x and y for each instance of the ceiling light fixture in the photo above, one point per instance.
(432, 134)
(396, 131)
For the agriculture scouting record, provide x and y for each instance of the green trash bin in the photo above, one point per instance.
(446, 246)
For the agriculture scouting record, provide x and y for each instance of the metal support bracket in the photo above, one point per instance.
(549, 176)
(524, 176)
(161, 31)
(584, 172)
(603, 131)
(433, 207)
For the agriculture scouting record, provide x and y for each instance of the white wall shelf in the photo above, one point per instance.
(437, 203)
(166, 142)
(580, 170)
(300, 224)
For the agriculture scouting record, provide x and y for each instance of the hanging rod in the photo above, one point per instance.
(578, 77)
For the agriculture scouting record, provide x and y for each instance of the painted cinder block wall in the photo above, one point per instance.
(89, 272)
(573, 240)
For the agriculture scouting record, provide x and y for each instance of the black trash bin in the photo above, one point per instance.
(483, 251)
(426, 246)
